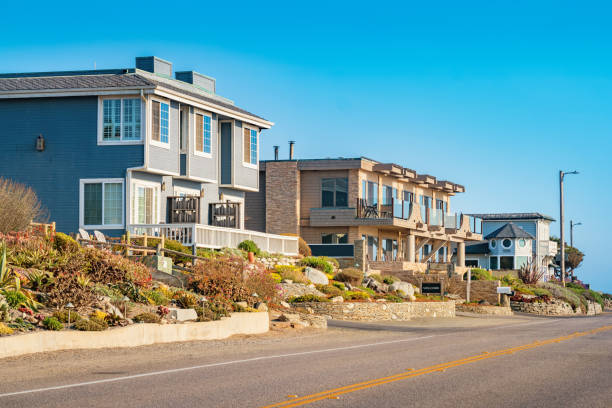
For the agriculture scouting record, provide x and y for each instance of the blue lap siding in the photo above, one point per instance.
(69, 127)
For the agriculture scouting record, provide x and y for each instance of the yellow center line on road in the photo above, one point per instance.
(336, 392)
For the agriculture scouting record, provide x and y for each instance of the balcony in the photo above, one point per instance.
(209, 236)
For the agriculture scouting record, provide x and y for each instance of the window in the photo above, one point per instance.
(507, 243)
(334, 192)
(101, 203)
(160, 122)
(387, 195)
(493, 263)
(145, 204)
(372, 248)
(334, 239)
(506, 262)
(471, 263)
(372, 194)
(426, 201)
(408, 196)
(250, 146)
(441, 205)
(202, 134)
(522, 242)
(121, 120)
(493, 243)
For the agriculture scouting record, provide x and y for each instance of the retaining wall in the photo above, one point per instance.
(134, 335)
(489, 310)
(379, 311)
(555, 308)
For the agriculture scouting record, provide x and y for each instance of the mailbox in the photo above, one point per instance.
(505, 290)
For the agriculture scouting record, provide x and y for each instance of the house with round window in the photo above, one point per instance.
(510, 247)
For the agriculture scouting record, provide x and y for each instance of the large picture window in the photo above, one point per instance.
(334, 192)
(334, 238)
(101, 203)
(121, 120)
(250, 146)
(160, 122)
(203, 127)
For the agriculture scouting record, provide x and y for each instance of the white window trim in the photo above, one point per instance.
(195, 136)
(159, 143)
(101, 141)
(151, 184)
(249, 164)
(82, 183)
(507, 247)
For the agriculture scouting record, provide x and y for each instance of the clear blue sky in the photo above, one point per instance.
(497, 96)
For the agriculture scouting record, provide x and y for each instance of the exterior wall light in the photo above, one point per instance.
(163, 186)
(202, 192)
(40, 143)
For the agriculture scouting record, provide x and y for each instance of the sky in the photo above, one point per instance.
(496, 96)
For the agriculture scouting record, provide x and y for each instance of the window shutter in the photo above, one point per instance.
(155, 121)
(247, 146)
(199, 133)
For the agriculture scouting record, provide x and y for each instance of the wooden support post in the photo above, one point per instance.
(469, 282)
(194, 252)
(163, 241)
(53, 228)
(128, 242)
(145, 240)
(159, 250)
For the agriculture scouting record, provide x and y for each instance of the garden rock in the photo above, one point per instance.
(182, 315)
(316, 276)
(285, 304)
(288, 290)
(289, 317)
(375, 285)
(406, 288)
(337, 299)
(261, 307)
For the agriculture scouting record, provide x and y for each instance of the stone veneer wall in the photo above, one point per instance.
(282, 197)
(555, 308)
(379, 311)
(489, 310)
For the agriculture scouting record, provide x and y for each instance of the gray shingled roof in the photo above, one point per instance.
(73, 82)
(514, 216)
(129, 80)
(509, 230)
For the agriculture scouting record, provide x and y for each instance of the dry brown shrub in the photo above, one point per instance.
(19, 205)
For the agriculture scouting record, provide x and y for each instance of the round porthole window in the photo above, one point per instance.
(522, 243)
(493, 243)
(507, 243)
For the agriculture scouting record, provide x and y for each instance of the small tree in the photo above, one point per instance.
(19, 206)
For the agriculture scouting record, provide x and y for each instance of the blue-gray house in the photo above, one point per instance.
(134, 149)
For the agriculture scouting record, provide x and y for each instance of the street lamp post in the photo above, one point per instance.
(562, 175)
(572, 225)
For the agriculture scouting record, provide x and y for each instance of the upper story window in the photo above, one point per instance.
(408, 196)
(101, 203)
(334, 192)
(387, 195)
(120, 121)
(160, 121)
(250, 146)
(369, 192)
(441, 205)
(202, 134)
(426, 201)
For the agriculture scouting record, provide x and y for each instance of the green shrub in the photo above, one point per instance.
(394, 298)
(541, 292)
(378, 278)
(368, 290)
(332, 261)
(15, 298)
(329, 290)
(213, 310)
(20, 324)
(481, 274)
(354, 295)
(156, 297)
(318, 263)
(586, 294)
(147, 318)
(65, 243)
(339, 285)
(93, 324)
(51, 323)
(307, 298)
(249, 246)
(303, 248)
(390, 279)
(291, 272)
(350, 275)
(565, 294)
(62, 316)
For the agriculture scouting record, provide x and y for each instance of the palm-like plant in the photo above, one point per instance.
(10, 285)
(531, 273)
(8, 279)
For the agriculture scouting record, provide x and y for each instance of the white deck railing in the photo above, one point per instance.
(207, 236)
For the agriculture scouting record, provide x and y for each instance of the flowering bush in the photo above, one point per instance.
(162, 311)
(222, 278)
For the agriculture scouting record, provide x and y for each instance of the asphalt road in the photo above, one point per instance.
(463, 362)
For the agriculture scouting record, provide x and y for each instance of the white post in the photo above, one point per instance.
(469, 282)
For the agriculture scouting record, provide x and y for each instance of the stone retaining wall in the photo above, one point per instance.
(134, 335)
(379, 311)
(555, 308)
(489, 310)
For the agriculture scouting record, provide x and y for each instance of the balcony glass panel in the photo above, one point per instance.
(407, 209)
(436, 217)
(397, 209)
(423, 213)
(451, 221)
(475, 225)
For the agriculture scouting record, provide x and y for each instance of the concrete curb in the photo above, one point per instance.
(134, 335)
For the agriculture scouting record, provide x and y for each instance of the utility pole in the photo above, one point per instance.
(572, 225)
(561, 177)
